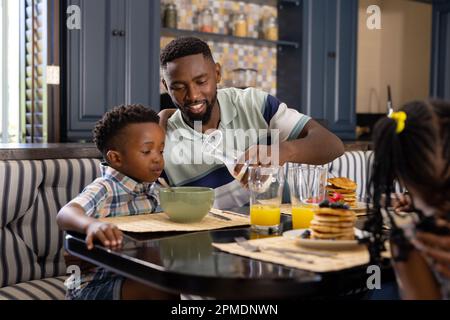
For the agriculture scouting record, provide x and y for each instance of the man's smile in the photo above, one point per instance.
(197, 108)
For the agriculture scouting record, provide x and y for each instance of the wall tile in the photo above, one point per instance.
(231, 56)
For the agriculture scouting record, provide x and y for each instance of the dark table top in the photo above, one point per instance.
(188, 263)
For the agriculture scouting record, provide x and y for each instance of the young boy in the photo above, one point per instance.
(132, 144)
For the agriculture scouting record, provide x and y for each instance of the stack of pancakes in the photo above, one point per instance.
(333, 224)
(345, 187)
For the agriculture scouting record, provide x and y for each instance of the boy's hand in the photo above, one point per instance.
(107, 233)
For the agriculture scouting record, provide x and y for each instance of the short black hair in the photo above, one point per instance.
(182, 47)
(112, 123)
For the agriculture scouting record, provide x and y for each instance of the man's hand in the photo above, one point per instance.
(436, 247)
(164, 116)
(107, 233)
(259, 155)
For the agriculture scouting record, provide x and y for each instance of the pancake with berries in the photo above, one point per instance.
(342, 188)
(333, 221)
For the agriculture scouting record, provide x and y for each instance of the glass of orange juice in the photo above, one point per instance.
(307, 189)
(266, 187)
(302, 216)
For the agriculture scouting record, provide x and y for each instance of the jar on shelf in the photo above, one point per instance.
(239, 25)
(205, 20)
(170, 16)
(270, 28)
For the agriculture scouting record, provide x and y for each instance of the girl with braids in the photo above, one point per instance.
(412, 146)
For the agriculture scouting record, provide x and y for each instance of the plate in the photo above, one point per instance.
(324, 244)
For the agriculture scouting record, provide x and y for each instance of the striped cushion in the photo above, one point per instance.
(45, 289)
(19, 182)
(34, 191)
(358, 166)
(355, 165)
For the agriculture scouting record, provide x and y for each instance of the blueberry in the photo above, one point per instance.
(306, 234)
(335, 205)
(324, 204)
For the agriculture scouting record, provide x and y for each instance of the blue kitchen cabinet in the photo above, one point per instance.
(440, 67)
(111, 60)
(330, 29)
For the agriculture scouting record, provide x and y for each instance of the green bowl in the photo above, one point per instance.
(186, 204)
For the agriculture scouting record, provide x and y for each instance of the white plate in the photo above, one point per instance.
(323, 244)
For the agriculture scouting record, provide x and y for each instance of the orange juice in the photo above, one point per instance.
(264, 215)
(302, 216)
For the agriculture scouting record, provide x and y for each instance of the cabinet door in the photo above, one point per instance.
(142, 28)
(329, 63)
(93, 66)
(440, 74)
(112, 60)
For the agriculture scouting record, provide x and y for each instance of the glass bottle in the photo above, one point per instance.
(240, 25)
(205, 20)
(214, 146)
(170, 16)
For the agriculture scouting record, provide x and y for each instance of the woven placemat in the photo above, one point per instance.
(159, 222)
(338, 260)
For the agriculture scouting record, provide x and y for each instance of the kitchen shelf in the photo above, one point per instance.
(272, 3)
(170, 32)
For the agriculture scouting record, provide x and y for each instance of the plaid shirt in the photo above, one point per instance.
(115, 194)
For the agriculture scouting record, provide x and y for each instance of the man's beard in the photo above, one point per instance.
(191, 117)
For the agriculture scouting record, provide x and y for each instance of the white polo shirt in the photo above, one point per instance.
(247, 117)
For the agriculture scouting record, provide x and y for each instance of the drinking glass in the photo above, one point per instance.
(266, 188)
(307, 189)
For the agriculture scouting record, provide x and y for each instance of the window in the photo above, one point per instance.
(33, 75)
(9, 71)
(24, 55)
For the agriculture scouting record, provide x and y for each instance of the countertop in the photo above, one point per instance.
(38, 151)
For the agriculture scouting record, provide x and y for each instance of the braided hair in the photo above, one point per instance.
(108, 129)
(413, 158)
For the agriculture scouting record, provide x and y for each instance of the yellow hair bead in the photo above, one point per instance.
(399, 117)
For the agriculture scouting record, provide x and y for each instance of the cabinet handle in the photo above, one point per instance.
(115, 33)
(122, 33)
(332, 55)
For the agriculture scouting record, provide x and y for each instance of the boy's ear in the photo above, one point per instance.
(113, 157)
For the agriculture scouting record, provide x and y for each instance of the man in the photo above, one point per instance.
(190, 76)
